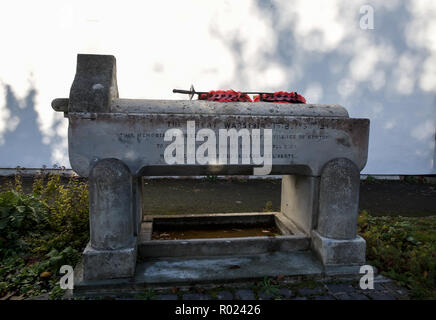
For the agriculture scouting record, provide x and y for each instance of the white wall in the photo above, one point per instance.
(317, 48)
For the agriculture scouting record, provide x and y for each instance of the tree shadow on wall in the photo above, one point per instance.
(336, 73)
(23, 142)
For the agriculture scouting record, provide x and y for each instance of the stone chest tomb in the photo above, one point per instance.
(318, 149)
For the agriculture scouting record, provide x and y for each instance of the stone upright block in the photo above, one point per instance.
(111, 252)
(109, 264)
(95, 84)
(333, 252)
(339, 200)
(300, 199)
(110, 204)
(335, 239)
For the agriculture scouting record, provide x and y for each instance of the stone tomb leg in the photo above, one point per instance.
(335, 238)
(111, 253)
(326, 208)
(299, 200)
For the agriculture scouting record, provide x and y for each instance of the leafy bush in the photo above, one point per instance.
(20, 216)
(39, 232)
(403, 249)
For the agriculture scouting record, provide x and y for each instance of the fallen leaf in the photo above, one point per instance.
(174, 290)
(234, 267)
(45, 274)
(280, 277)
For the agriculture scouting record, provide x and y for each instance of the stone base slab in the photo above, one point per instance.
(334, 252)
(109, 264)
(186, 272)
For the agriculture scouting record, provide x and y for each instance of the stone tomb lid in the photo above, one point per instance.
(226, 108)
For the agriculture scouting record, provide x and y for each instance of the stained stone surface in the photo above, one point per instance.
(377, 295)
(335, 289)
(112, 250)
(226, 108)
(299, 200)
(352, 296)
(225, 295)
(339, 200)
(95, 84)
(245, 294)
(109, 264)
(196, 296)
(300, 144)
(217, 268)
(285, 293)
(310, 291)
(340, 288)
(334, 252)
(111, 198)
(263, 295)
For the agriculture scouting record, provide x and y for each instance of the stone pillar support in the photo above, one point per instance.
(138, 184)
(335, 239)
(339, 200)
(111, 252)
(299, 200)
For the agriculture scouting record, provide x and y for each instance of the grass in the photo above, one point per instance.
(42, 230)
(403, 249)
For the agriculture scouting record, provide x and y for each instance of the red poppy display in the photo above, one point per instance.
(225, 96)
(281, 97)
(231, 96)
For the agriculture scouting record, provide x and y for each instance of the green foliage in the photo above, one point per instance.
(403, 249)
(211, 178)
(147, 294)
(413, 179)
(370, 179)
(40, 232)
(20, 215)
(268, 286)
(268, 206)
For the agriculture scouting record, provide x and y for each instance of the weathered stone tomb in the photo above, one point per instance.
(318, 149)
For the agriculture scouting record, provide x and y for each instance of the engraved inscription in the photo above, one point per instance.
(287, 137)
